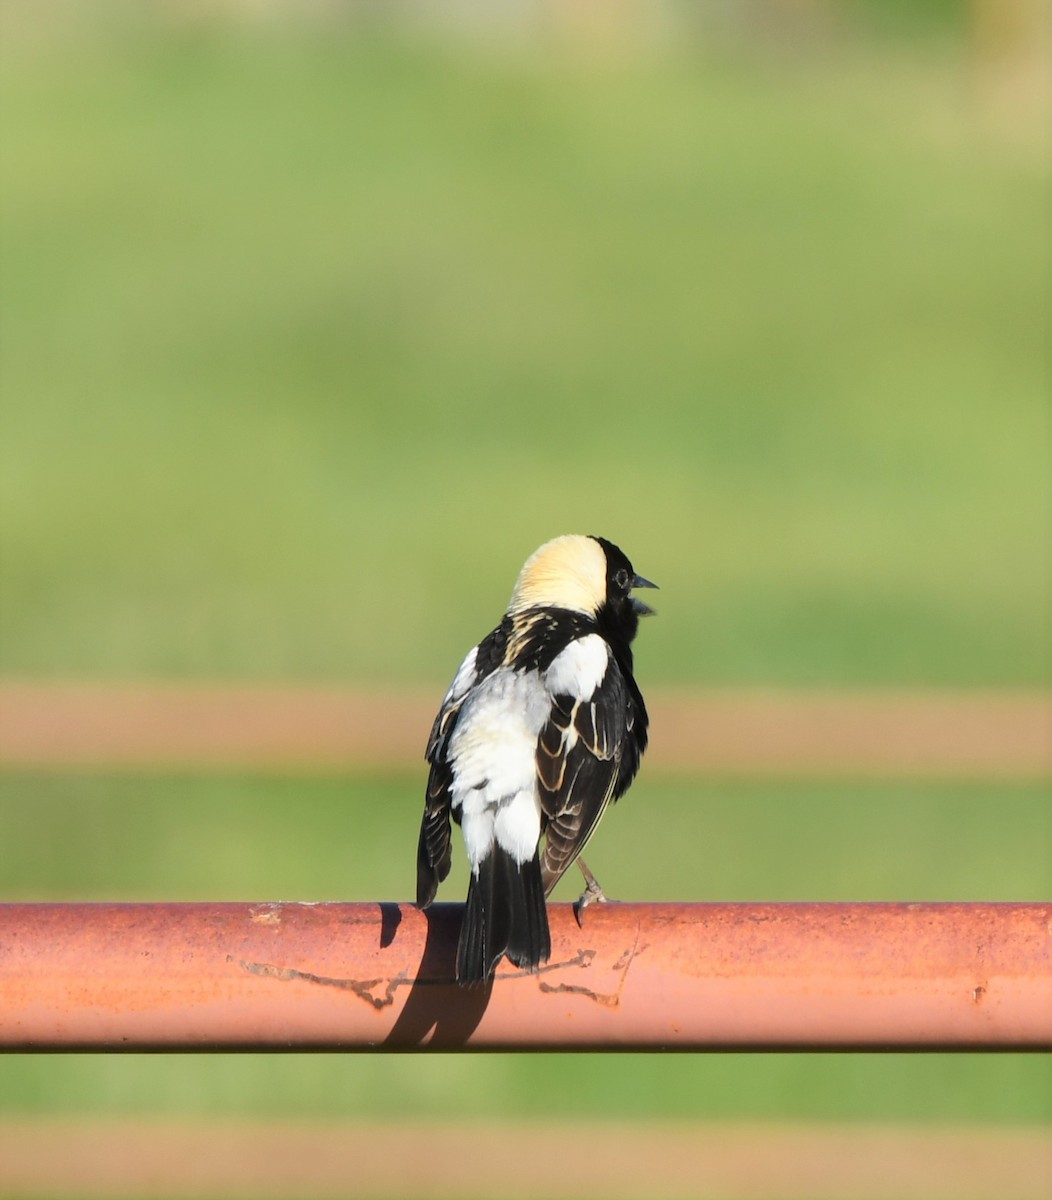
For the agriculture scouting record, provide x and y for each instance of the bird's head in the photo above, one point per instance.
(589, 575)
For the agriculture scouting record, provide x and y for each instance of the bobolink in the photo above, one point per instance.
(542, 727)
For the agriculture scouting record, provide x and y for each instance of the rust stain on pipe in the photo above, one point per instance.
(638, 976)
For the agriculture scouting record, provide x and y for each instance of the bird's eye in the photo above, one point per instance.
(622, 580)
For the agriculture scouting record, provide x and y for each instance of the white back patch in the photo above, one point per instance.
(579, 669)
(493, 754)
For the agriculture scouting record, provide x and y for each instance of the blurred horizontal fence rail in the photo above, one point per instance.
(158, 727)
(379, 977)
(117, 1159)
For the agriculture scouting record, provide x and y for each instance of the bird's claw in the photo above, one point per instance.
(592, 894)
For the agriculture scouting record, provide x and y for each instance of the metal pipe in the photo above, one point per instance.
(637, 977)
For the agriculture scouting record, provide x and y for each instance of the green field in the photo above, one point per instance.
(309, 338)
(309, 335)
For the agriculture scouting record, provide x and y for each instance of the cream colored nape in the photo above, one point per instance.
(567, 572)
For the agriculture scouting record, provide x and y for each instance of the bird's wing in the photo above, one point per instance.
(434, 852)
(587, 754)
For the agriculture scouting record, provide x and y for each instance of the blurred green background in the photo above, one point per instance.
(315, 322)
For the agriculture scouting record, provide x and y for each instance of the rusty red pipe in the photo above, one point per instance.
(636, 977)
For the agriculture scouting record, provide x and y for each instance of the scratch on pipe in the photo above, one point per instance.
(606, 999)
(581, 959)
(363, 988)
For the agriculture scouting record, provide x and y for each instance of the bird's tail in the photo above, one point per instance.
(505, 914)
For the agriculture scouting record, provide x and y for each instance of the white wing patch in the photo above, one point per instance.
(579, 669)
(464, 677)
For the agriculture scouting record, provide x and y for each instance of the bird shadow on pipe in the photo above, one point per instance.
(438, 1010)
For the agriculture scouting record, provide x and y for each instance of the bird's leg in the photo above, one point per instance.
(591, 894)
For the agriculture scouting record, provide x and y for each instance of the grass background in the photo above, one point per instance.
(311, 330)
(310, 336)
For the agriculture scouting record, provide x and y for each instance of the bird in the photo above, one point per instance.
(542, 728)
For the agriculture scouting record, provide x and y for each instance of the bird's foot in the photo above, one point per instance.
(592, 894)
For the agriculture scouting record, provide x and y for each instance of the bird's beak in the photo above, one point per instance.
(641, 609)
